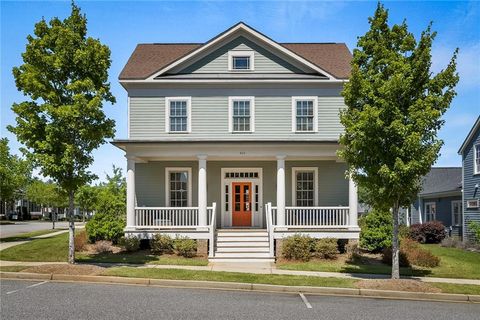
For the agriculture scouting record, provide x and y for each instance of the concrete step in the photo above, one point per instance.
(242, 244)
(242, 239)
(233, 230)
(240, 260)
(243, 249)
(245, 255)
(242, 234)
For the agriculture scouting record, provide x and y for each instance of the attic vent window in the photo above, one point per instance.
(240, 60)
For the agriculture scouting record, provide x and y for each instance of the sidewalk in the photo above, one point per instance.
(258, 268)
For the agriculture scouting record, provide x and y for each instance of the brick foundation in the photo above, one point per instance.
(202, 248)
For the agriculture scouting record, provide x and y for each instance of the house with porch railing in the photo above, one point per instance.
(233, 142)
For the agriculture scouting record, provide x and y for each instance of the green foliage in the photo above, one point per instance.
(185, 247)
(403, 231)
(46, 194)
(161, 244)
(111, 195)
(131, 244)
(475, 228)
(86, 198)
(105, 226)
(298, 247)
(326, 248)
(14, 173)
(376, 230)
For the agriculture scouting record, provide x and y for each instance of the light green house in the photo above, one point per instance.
(233, 142)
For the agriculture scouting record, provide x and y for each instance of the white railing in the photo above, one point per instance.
(317, 217)
(269, 221)
(211, 251)
(168, 217)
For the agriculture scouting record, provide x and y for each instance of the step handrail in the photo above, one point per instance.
(269, 221)
(211, 250)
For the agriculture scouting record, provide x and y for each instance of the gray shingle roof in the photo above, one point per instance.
(442, 179)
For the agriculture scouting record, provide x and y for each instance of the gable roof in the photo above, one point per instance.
(471, 134)
(149, 59)
(442, 180)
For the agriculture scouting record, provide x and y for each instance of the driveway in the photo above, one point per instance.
(10, 230)
(53, 300)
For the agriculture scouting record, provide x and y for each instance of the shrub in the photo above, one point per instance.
(376, 231)
(297, 247)
(80, 240)
(185, 247)
(105, 227)
(102, 246)
(403, 231)
(412, 254)
(161, 244)
(475, 228)
(131, 244)
(428, 232)
(326, 248)
(387, 258)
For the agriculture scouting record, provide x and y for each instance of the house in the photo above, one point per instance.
(234, 141)
(470, 152)
(440, 199)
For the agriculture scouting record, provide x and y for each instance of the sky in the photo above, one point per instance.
(123, 24)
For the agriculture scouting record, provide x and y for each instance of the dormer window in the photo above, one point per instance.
(240, 60)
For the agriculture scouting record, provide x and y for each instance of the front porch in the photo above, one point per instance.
(279, 189)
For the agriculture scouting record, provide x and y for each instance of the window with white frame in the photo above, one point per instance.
(457, 213)
(304, 114)
(241, 111)
(476, 158)
(430, 211)
(304, 188)
(178, 117)
(178, 187)
(240, 60)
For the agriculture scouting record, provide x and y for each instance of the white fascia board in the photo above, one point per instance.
(249, 30)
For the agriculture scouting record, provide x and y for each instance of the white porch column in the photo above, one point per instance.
(130, 193)
(202, 190)
(280, 191)
(353, 202)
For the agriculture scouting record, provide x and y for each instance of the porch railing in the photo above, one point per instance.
(318, 217)
(269, 220)
(169, 217)
(213, 225)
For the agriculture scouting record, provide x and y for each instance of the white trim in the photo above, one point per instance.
(167, 113)
(167, 184)
(241, 26)
(209, 81)
(461, 209)
(230, 113)
(315, 184)
(243, 53)
(226, 216)
(434, 213)
(294, 113)
(476, 168)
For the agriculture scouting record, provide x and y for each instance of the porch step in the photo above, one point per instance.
(242, 234)
(242, 239)
(225, 244)
(241, 260)
(242, 255)
(244, 249)
(242, 245)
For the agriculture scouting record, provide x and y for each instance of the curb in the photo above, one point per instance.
(330, 291)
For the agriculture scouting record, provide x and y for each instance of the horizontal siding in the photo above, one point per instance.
(469, 181)
(273, 119)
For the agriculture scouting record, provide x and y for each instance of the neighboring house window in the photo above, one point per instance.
(304, 114)
(178, 187)
(178, 119)
(240, 60)
(430, 211)
(457, 213)
(476, 156)
(242, 114)
(304, 189)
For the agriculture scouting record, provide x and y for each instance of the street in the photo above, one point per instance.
(10, 230)
(51, 300)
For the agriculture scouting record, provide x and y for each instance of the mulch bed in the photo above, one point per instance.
(75, 269)
(397, 285)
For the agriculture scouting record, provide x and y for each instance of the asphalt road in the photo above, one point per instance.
(10, 230)
(49, 300)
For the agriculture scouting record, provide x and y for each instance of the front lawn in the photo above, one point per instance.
(454, 263)
(28, 235)
(140, 257)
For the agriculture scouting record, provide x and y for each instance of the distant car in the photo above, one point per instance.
(36, 215)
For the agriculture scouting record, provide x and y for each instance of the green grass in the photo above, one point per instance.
(141, 257)
(12, 268)
(457, 288)
(3, 222)
(49, 249)
(178, 274)
(28, 235)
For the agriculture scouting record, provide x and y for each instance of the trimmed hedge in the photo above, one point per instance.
(428, 232)
(105, 226)
(376, 231)
(412, 254)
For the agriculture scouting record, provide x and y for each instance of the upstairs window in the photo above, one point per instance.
(241, 110)
(476, 159)
(240, 60)
(304, 114)
(177, 115)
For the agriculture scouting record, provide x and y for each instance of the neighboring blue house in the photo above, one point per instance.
(440, 199)
(470, 152)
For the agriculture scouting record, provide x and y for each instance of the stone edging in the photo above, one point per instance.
(404, 295)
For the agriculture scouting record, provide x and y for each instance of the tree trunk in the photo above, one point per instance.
(71, 229)
(395, 245)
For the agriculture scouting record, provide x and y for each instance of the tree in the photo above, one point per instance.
(46, 194)
(112, 195)
(87, 198)
(14, 174)
(394, 108)
(65, 75)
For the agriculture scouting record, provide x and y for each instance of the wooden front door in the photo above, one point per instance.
(242, 204)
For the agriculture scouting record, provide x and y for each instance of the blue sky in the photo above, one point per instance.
(121, 25)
